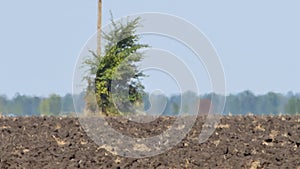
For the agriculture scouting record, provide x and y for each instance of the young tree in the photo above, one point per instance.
(3, 104)
(67, 104)
(293, 106)
(44, 107)
(118, 67)
(51, 105)
(55, 104)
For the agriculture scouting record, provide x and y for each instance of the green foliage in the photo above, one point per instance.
(3, 104)
(45, 107)
(22, 105)
(293, 106)
(174, 105)
(67, 104)
(118, 67)
(51, 105)
(189, 100)
(270, 103)
(55, 104)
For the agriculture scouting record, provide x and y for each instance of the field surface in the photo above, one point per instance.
(238, 142)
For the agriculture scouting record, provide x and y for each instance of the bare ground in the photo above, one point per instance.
(238, 142)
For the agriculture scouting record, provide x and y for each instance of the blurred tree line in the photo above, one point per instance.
(21, 105)
(242, 103)
(238, 104)
(270, 103)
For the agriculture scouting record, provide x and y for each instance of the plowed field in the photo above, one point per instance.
(238, 142)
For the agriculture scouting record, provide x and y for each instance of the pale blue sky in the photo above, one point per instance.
(257, 41)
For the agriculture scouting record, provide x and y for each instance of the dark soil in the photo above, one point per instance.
(238, 142)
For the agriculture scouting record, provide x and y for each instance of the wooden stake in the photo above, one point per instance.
(99, 25)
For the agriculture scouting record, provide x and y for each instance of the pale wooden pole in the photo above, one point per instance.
(99, 25)
(90, 98)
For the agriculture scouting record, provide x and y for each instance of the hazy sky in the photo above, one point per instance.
(257, 41)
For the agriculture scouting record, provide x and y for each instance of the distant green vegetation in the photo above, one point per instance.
(21, 105)
(270, 103)
(242, 103)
